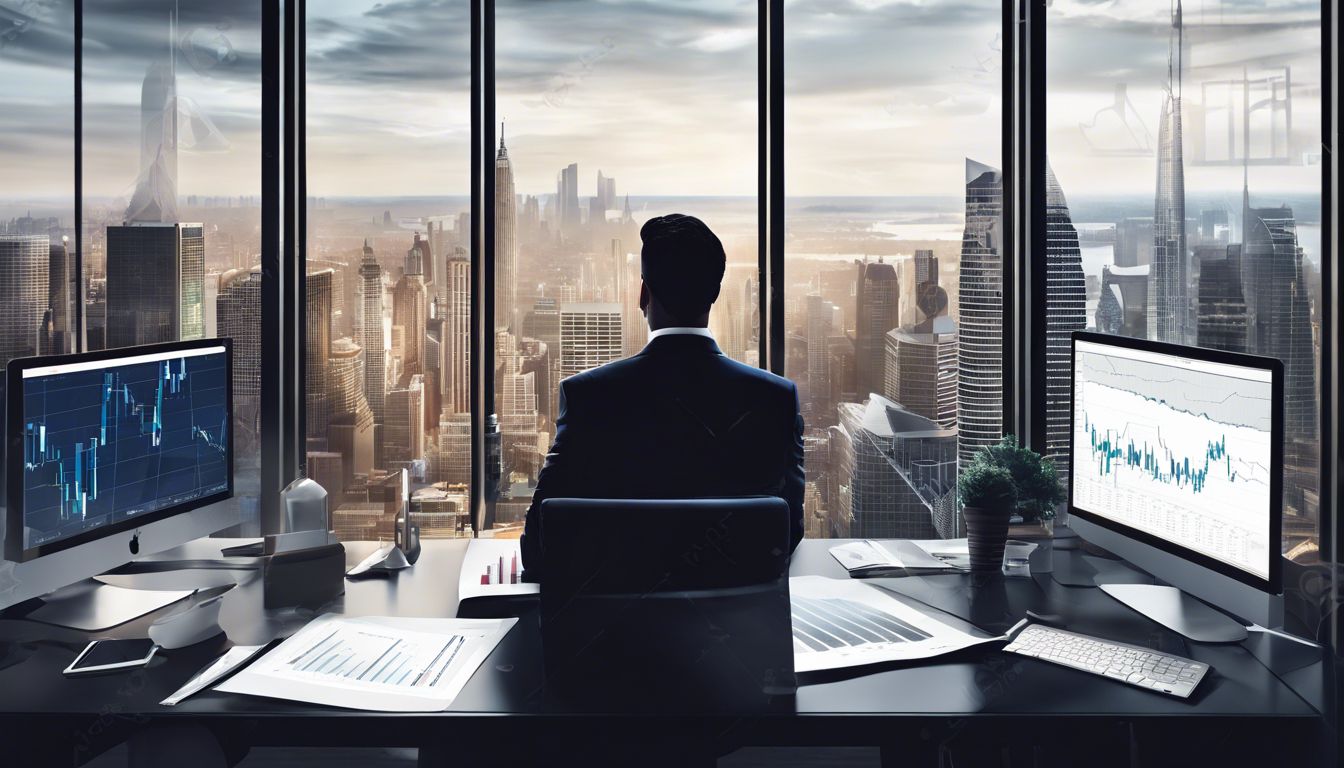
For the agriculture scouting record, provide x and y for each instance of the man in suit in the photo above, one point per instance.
(680, 419)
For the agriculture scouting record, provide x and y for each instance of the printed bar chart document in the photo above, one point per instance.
(374, 663)
(493, 568)
(839, 623)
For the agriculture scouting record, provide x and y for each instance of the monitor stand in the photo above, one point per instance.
(91, 606)
(1178, 612)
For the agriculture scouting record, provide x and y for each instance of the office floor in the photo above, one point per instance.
(758, 757)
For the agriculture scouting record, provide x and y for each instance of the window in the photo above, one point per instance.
(612, 113)
(1184, 202)
(171, 177)
(894, 294)
(387, 273)
(37, 211)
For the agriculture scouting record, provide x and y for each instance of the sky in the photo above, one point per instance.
(882, 97)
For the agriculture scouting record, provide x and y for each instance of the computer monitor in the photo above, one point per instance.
(111, 454)
(1176, 465)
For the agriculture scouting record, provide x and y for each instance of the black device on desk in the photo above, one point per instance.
(112, 655)
(675, 601)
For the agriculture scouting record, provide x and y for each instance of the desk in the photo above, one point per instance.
(907, 710)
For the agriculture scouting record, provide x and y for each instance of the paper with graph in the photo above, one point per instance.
(382, 664)
(840, 623)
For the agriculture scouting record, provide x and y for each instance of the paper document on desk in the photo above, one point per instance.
(381, 664)
(894, 557)
(839, 623)
(493, 568)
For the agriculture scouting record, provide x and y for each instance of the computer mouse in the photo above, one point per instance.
(197, 621)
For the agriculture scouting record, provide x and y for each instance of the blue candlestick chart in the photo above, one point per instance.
(104, 445)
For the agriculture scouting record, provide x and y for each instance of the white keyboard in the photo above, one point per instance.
(1138, 666)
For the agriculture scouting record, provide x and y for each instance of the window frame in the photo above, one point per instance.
(1023, 130)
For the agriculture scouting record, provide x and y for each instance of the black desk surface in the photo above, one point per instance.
(859, 708)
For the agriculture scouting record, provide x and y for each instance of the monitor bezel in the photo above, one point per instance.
(15, 548)
(1274, 583)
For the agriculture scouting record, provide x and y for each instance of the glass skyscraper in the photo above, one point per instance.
(980, 314)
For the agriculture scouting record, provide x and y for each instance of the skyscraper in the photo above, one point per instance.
(606, 192)
(1167, 276)
(410, 312)
(317, 351)
(921, 371)
(567, 198)
(24, 291)
(820, 325)
(980, 314)
(61, 285)
(1065, 312)
(371, 332)
(1221, 314)
(876, 312)
(457, 334)
(635, 330)
(237, 317)
(155, 283)
(590, 335)
(1123, 306)
(899, 468)
(351, 431)
(506, 241)
(404, 433)
(1279, 325)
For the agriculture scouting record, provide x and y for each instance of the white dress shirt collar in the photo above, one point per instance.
(681, 330)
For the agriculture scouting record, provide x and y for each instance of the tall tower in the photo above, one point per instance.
(155, 196)
(1278, 310)
(980, 314)
(410, 311)
(317, 350)
(457, 334)
(238, 318)
(877, 312)
(61, 286)
(1065, 312)
(155, 283)
(1168, 306)
(506, 241)
(23, 294)
(371, 333)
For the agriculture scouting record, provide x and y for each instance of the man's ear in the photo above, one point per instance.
(643, 297)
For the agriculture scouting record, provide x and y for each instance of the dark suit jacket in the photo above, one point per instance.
(678, 420)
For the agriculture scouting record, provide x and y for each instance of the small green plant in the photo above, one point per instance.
(986, 486)
(1038, 488)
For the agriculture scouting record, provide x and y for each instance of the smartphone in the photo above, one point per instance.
(109, 655)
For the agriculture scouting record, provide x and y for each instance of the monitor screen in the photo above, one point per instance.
(110, 440)
(1177, 448)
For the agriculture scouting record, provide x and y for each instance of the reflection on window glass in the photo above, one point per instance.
(894, 301)
(172, 182)
(37, 209)
(1187, 142)
(612, 113)
(388, 277)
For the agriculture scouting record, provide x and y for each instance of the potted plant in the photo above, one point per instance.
(1036, 480)
(989, 497)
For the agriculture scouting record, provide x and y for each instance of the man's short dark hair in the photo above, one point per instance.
(682, 263)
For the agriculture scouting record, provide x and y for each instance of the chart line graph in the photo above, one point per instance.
(1179, 453)
(102, 445)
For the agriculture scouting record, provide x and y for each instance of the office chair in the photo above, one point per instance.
(680, 604)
